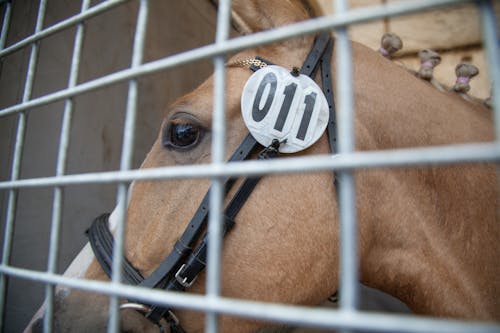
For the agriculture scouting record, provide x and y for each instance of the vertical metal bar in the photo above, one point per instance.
(5, 24)
(218, 156)
(125, 164)
(8, 226)
(347, 199)
(491, 44)
(16, 161)
(60, 170)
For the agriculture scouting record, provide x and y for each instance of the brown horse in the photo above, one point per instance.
(428, 236)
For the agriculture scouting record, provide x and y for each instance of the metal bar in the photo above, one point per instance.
(60, 170)
(98, 9)
(444, 155)
(16, 161)
(12, 193)
(212, 304)
(5, 24)
(491, 44)
(125, 164)
(348, 258)
(237, 44)
(296, 315)
(218, 156)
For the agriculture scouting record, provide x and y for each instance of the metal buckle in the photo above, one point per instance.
(334, 298)
(145, 310)
(183, 280)
(135, 306)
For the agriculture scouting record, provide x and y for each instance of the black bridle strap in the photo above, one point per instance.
(322, 50)
(192, 233)
(197, 261)
(184, 278)
(326, 72)
(163, 277)
(101, 238)
(102, 243)
(316, 55)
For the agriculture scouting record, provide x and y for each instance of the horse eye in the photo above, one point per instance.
(182, 133)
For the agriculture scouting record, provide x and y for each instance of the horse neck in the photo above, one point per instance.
(418, 245)
(429, 236)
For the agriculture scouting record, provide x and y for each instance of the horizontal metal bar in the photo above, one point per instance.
(237, 44)
(73, 20)
(438, 155)
(294, 315)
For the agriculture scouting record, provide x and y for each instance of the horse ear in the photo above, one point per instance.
(256, 15)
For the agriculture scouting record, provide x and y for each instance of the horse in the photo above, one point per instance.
(427, 235)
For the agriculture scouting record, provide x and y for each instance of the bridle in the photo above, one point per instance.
(178, 271)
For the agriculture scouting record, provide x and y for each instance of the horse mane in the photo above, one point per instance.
(312, 9)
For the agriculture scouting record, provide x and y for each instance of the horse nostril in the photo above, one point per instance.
(37, 326)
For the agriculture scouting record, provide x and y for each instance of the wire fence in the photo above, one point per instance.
(347, 316)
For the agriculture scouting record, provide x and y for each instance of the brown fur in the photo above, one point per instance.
(427, 235)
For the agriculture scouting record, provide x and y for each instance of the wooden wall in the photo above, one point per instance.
(455, 32)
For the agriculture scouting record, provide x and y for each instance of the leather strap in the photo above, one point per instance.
(101, 239)
(196, 262)
(102, 243)
(183, 246)
(198, 223)
(320, 53)
(326, 73)
(315, 54)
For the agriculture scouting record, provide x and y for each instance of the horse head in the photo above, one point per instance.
(423, 233)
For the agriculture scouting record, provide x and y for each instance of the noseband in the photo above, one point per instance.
(178, 271)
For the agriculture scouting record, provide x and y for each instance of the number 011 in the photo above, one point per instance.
(259, 113)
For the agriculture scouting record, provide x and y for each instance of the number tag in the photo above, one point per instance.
(278, 105)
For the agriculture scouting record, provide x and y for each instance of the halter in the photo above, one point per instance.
(178, 271)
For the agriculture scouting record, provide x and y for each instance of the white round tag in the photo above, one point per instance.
(277, 105)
